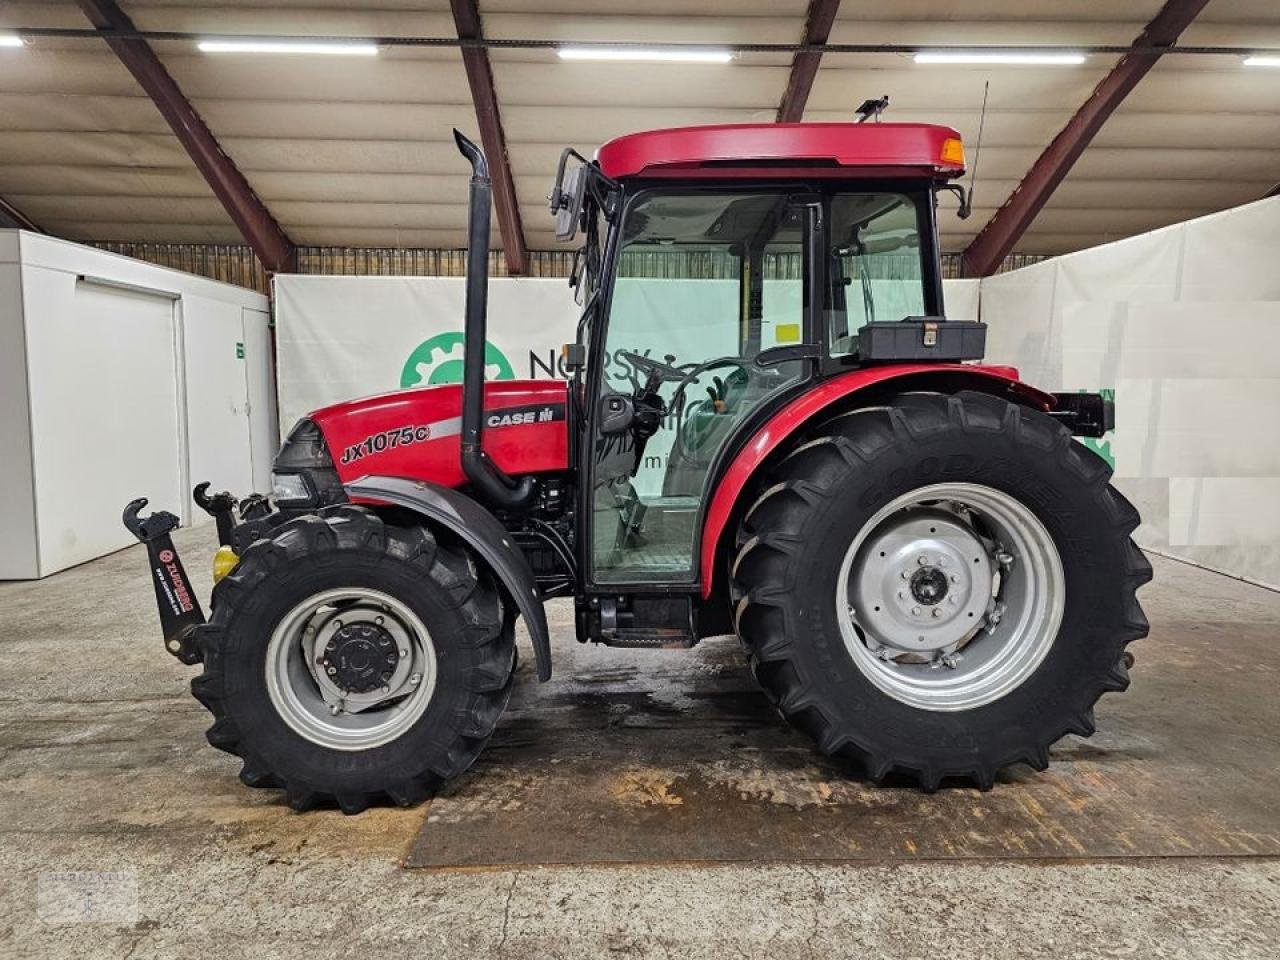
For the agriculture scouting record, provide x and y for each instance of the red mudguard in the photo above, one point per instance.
(787, 420)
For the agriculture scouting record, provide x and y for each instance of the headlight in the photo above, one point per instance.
(290, 488)
(303, 475)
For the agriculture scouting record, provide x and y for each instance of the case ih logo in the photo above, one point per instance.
(166, 556)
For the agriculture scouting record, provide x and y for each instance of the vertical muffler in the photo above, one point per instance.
(493, 484)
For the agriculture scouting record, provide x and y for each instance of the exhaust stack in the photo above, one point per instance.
(489, 479)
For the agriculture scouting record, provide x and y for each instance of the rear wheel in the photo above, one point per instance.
(941, 587)
(355, 661)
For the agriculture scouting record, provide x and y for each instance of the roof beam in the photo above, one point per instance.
(466, 18)
(804, 65)
(1003, 232)
(11, 216)
(255, 222)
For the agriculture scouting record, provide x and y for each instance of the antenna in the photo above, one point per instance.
(977, 152)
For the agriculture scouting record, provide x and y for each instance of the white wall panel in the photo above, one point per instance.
(1196, 428)
(18, 552)
(1224, 511)
(1105, 342)
(99, 403)
(1184, 325)
(264, 437)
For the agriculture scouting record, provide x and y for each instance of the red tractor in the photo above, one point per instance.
(769, 428)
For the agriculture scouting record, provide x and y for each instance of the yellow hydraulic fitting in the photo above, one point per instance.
(224, 561)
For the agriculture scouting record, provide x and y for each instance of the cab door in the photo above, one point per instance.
(705, 282)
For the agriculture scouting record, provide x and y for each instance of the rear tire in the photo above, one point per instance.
(467, 658)
(886, 707)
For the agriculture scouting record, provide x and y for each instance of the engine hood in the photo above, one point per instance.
(416, 433)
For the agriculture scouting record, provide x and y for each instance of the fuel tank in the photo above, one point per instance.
(417, 433)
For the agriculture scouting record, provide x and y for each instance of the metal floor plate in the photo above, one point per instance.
(675, 756)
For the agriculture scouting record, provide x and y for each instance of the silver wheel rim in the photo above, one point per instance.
(306, 688)
(950, 596)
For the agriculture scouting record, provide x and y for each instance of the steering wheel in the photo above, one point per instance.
(663, 372)
(686, 379)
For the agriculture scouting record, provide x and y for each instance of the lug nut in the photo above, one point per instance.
(331, 670)
(415, 679)
(906, 574)
(942, 561)
(955, 578)
(915, 611)
(386, 689)
(936, 613)
(923, 559)
(378, 620)
(404, 653)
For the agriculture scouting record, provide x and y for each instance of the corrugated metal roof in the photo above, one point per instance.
(357, 152)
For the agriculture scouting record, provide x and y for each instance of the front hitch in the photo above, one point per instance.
(180, 612)
(220, 506)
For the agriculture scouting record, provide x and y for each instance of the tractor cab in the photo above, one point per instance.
(723, 271)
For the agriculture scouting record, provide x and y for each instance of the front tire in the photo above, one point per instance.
(942, 587)
(351, 661)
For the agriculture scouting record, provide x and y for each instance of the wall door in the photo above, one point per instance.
(104, 405)
(217, 398)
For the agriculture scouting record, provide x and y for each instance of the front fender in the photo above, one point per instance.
(482, 531)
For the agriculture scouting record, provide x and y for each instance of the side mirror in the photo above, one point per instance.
(567, 193)
(616, 413)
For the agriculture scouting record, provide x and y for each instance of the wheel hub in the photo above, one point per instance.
(950, 596)
(361, 657)
(350, 668)
(929, 585)
(921, 584)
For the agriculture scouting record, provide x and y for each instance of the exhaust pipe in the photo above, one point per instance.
(492, 482)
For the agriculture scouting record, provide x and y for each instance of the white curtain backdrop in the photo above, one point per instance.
(1184, 325)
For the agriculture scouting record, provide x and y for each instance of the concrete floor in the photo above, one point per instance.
(124, 834)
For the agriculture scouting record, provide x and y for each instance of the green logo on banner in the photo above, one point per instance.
(439, 360)
(1102, 445)
(239, 350)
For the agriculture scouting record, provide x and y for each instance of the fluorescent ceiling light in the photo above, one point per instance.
(1026, 58)
(332, 48)
(646, 54)
(1262, 61)
(9, 40)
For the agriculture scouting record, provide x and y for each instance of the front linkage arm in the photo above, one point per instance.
(180, 612)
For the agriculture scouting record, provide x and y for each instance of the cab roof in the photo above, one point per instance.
(787, 150)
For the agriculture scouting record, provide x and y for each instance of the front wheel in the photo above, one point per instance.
(350, 660)
(943, 586)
